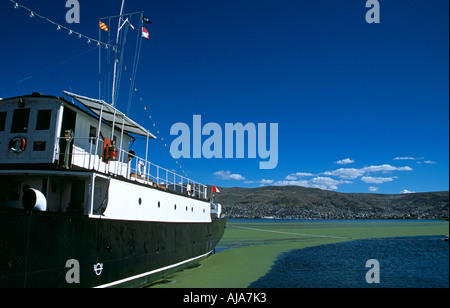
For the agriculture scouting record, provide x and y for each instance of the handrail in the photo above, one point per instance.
(140, 170)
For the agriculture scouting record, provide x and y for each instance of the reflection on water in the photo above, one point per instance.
(411, 262)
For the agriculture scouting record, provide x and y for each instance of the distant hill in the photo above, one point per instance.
(301, 202)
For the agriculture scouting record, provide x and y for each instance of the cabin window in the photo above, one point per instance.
(43, 119)
(2, 121)
(39, 146)
(92, 134)
(20, 120)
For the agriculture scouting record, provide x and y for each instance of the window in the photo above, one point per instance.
(9, 191)
(39, 146)
(2, 121)
(20, 120)
(92, 134)
(43, 119)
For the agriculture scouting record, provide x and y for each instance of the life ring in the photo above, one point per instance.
(17, 145)
(141, 168)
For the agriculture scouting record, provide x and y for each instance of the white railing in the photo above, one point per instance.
(83, 154)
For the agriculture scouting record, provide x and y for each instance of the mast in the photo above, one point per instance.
(113, 103)
(124, 23)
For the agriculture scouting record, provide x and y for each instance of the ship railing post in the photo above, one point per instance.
(121, 152)
(91, 206)
(147, 173)
(157, 175)
(100, 156)
(167, 177)
(98, 134)
(146, 156)
(90, 152)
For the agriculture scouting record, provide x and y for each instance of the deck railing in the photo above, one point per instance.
(84, 153)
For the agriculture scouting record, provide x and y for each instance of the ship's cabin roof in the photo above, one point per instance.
(111, 114)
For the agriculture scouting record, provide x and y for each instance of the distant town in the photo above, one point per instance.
(293, 202)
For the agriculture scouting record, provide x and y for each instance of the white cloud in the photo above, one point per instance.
(353, 173)
(406, 191)
(346, 173)
(295, 176)
(325, 183)
(345, 161)
(408, 158)
(330, 180)
(261, 182)
(266, 182)
(386, 168)
(415, 158)
(227, 175)
(374, 180)
(406, 168)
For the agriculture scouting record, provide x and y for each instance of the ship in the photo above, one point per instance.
(80, 208)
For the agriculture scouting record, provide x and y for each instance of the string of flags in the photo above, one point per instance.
(145, 33)
(155, 127)
(104, 27)
(59, 27)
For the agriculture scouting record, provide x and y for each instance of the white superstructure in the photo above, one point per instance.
(90, 166)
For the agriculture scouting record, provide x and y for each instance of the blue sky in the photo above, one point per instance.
(360, 107)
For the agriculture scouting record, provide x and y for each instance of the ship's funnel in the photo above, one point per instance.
(34, 199)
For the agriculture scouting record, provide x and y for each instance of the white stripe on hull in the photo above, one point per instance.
(118, 282)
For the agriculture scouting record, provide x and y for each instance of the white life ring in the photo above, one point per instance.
(17, 145)
(141, 168)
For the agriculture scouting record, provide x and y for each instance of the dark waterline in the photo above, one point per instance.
(407, 262)
(259, 220)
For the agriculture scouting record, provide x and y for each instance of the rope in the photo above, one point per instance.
(59, 26)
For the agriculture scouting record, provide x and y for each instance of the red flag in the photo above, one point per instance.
(145, 33)
(215, 189)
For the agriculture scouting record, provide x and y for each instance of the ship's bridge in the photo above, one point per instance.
(43, 132)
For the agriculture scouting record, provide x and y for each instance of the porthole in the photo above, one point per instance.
(186, 208)
(192, 209)
(159, 204)
(140, 201)
(175, 207)
(203, 210)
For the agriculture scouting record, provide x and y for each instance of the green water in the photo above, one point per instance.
(251, 248)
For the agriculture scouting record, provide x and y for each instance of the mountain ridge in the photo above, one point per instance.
(303, 202)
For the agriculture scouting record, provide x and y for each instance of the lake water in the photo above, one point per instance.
(407, 262)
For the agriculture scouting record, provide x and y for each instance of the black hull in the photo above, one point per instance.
(36, 246)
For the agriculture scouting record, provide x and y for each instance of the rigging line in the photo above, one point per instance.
(122, 15)
(59, 26)
(106, 79)
(301, 234)
(137, 54)
(156, 129)
(108, 67)
(48, 68)
(113, 93)
(118, 73)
